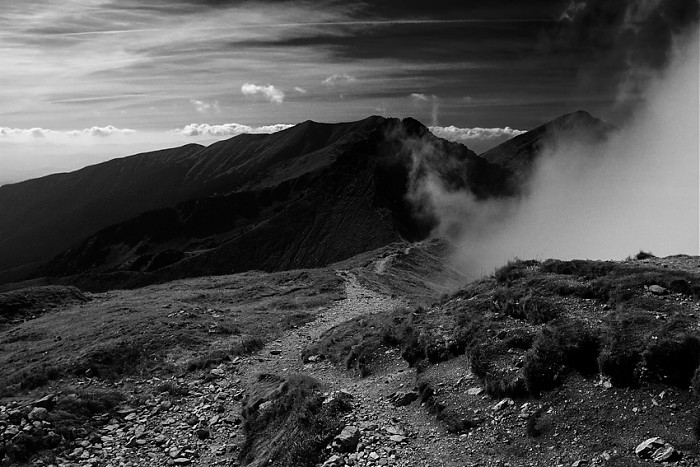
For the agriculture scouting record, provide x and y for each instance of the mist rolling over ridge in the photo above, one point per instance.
(635, 190)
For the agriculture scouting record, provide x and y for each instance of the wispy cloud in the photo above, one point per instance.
(268, 91)
(339, 78)
(227, 129)
(419, 96)
(477, 139)
(205, 107)
(95, 131)
(300, 90)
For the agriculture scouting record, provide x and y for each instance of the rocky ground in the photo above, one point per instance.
(194, 418)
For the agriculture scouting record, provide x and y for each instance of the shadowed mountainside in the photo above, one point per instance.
(519, 153)
(355, 203)
(303, 197)
(45, 216)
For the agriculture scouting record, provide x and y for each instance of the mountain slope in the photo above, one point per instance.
(519, 153)
(42, 217)
(354, 204)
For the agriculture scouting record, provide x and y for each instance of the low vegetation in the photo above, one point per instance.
(532, 324)
(356, 344)
(186, 325)
(286, 422)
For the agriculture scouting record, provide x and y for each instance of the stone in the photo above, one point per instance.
(503, 404)
(579, 463)
(275, 352)
(181, 461)
(347, 440)
(475, 391)
(38, 413)
(658, 290)
(646, 448)
(667, 453)
(397, 438)
(401, 398)
(334, 460)
(48, 402)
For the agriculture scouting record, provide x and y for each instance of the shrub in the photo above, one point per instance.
(620, 361)
(644, 255)
(561, 346)
(513, 270)
(532, 427)
(74, 413)
(672, 360)
(247, 346)
(455, 422)
(539, 310)
(112, 359)
(525, 305)
(503, 384)
(293, 426)
(578, 267)
(355, 343)
(29, 379)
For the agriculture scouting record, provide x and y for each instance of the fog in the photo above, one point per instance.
(638, 190)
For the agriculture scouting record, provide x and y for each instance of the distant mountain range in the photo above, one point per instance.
(304, 197)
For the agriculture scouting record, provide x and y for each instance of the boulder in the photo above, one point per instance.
(347, 440)
(648, 447)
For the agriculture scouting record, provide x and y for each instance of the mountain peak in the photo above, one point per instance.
(519, 153)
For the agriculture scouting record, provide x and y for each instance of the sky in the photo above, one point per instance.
(87, 80)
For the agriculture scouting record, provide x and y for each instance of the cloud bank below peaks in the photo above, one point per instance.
(227, 129)
(477, 139)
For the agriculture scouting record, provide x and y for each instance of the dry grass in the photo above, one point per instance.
(145, 330)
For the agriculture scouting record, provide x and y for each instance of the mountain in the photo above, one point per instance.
(304, 197)
(43, 217)
(519, 153)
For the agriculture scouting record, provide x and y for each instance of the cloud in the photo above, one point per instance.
(337, 79)
(300, 90)
(28, 133)
(419, 96)
(227, 129)
(477, 139)
(636, 190)
(205, 107)
(270, 93)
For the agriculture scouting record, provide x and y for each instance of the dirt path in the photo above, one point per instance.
(424, 443)
(203, 427)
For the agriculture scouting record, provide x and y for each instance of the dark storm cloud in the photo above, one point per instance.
(618, 44)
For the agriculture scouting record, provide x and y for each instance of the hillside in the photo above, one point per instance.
(357, 202)
(540, 364)
(520, 153)
(45, 216)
